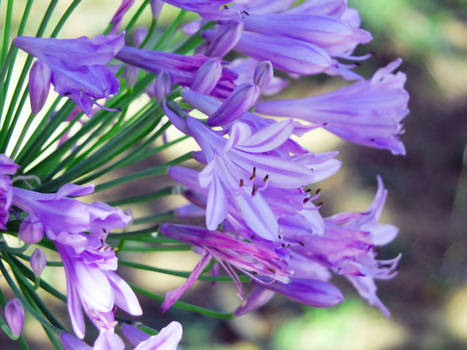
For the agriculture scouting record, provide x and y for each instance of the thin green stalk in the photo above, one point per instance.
(157, 170)
(150, 31)
(137, 14)
(170, 30)
(6, 30)
(162, 248)
(183, 305)
(64, 18)
(167, 191)
(24, 73)
(133, 234)
(184, 274)
(155, 218)
(28, 258)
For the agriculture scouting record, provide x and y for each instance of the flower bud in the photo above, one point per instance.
(38, 261)
(31, 230)
(263, 74)
(239, 102)
(40, 78)
(225, 39)
(163, 85)
(258, 297)
(207, 76)
(156, 7)
(139, 35)
(14, 315)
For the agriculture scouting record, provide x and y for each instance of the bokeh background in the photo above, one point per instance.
(427, 200)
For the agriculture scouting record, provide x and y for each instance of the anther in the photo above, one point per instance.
(254, 174)
(320, 204)
(308, 190)
(306, 200)
(255, 188)
(318, 191)
(266, 178)
(253, 237)
(301, 243)
(242, 182)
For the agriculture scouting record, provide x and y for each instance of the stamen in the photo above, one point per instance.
(254, 190)
(254, 174)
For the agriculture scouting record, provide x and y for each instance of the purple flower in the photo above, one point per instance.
(226, 38)
(163, 86)
(207, 76)
(40, 79)
(238, 103)
(333, 35)
(38, 262)
(367, 112)
(106, 341)
(300, 58)
(253, 259)
(14, 315)
(156, 7)
(77, 66)
(181, 68)
(31, 230)
(167, 339)
(7, 167)
(118, 16)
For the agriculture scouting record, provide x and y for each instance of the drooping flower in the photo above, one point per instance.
(368, 112)
(167, 339)
(89, 262)
(257, 260)
(77, 66)
(181, 68)
(40, 79)
(14, 316)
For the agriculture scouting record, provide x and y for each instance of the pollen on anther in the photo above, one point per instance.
(254, 174)
(266, 178)
(242, 182)
(255, 188)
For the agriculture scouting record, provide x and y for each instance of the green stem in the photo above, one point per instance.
(157, 170)
(6, 30)
(137, 14)
(170, 30)
(183, 305)
(184, 274)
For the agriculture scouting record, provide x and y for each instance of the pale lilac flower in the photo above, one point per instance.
(38, 262)
(181, 68)
(77, 65)
(106, 341)
(14, 316)
(40, 79)
(213, 9)
(368, 112)
(264, 72)
(7, 166)
(167, 339)
(333, 35)
(93, 285)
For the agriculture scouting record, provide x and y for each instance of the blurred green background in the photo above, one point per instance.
(427, 200)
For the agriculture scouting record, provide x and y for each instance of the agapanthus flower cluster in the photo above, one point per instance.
(257, 190)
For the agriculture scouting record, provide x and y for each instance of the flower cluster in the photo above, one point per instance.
(256, 190)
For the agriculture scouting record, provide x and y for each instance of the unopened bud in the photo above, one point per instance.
(38, 262)
(239, 102)
(14, 315)
(163, 85)
(31, 230)
(139, 35)
(207, 76)
(225, 39)
(263, 74)
(156, 7)
(40, 78)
